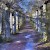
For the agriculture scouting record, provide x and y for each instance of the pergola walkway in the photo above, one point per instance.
(26, 40)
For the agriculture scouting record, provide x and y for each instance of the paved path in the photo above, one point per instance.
(26, 40)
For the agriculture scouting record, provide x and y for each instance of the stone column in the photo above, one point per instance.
(3, 23)
(37, 20)
(18, 20)
(14, 24)
(48, 20)
(11, 23)
(0, 23)
(6, 24)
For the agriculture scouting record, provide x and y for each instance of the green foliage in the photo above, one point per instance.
(7, 39)
(1, 40)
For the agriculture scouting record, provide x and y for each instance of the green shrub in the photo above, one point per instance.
(7, 39)
(1, 40)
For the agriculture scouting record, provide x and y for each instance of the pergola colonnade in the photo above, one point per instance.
(10, 22)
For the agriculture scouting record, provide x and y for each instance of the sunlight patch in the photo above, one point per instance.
(18, 41)
(28, 36)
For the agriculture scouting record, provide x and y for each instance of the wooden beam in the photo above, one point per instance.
(47, 2)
